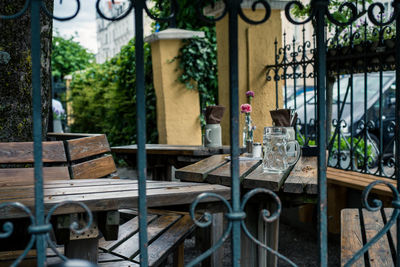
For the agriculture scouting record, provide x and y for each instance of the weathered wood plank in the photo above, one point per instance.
(393, 231)
(169, 240)
(15, 176)
(259, 178)
(22, 192)
(198, 171)
(125, 231)
(88, 146)
(130, 248)
(222, 175)
(95, 168)
(351, 236)
(22, 152)
(303, 177)
(118, 264)
(358, 180)
(86, 249)
(379, 253)
(128, 199)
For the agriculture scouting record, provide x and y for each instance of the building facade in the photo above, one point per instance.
(113, 35)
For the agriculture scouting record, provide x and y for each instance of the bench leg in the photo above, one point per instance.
(207, 237)
(86, 249)
(179, 255)
(268, 233)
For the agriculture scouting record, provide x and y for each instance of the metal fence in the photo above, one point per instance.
(361, 93)
(319, 13)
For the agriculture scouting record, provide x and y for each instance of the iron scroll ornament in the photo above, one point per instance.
(267, 216)
(33, 229)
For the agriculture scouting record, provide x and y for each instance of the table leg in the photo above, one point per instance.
(86, 249)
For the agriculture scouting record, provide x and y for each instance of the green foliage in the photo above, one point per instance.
(68, 56)
(198, 57)
(104, 98)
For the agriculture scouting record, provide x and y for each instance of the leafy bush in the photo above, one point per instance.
(68, 56)
(104, 98)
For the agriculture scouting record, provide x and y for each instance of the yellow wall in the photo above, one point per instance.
(178, 108)
(256, 50)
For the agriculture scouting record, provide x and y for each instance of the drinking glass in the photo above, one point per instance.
(279, 152)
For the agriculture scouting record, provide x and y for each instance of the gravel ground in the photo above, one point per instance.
(299, 246)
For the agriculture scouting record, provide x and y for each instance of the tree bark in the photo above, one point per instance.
(16, 75)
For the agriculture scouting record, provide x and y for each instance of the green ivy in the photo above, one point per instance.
(104, 98)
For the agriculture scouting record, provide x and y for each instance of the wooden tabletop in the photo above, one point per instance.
(164, 149)
(302, 178)
(104, 194)
(358, 226)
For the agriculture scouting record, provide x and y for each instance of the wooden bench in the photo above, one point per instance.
(78, 156)
(340, 182)
(358, 226)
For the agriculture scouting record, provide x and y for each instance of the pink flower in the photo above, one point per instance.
(245, 108)
(250, 94)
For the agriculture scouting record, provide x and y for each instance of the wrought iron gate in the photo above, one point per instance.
(319, 12)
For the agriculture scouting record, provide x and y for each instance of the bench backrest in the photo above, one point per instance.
(16, 161)
(79, 158)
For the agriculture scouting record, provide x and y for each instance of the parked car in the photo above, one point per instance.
(344, 101)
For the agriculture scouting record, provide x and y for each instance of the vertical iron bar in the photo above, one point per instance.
(380, 166)
(285, 68)
(339, 137)
(396, 4)
(303, 59)
(233, 8)
(364, 45)
(294, 70)
(351, 120)
(141, 130)
(276, 78)
(37, 128)
(320, 8)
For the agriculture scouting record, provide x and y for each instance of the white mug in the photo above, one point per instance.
(212, 135)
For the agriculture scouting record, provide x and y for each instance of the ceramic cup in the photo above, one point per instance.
(212, 135)
(279, 152)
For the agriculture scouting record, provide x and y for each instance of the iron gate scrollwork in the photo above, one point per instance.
(40, 226)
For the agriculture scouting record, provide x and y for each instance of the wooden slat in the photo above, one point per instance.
(303, 177)
(95, 168)
(22, 152)
(118, 264)
(198, 171)
(128, 199)
(130, 248)
(379, 253)
(169, 240)
(125, 231)
(22, 192)
(358, 180)
(222, 175)
(88, 146)
(259, 178)
(393, 231)
(15, 176)
(351, 236)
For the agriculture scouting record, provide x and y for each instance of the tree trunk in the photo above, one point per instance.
(16, 74)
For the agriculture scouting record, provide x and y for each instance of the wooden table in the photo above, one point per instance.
(103, 195)
(358, 226)
(161, 157)
(297, 184)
